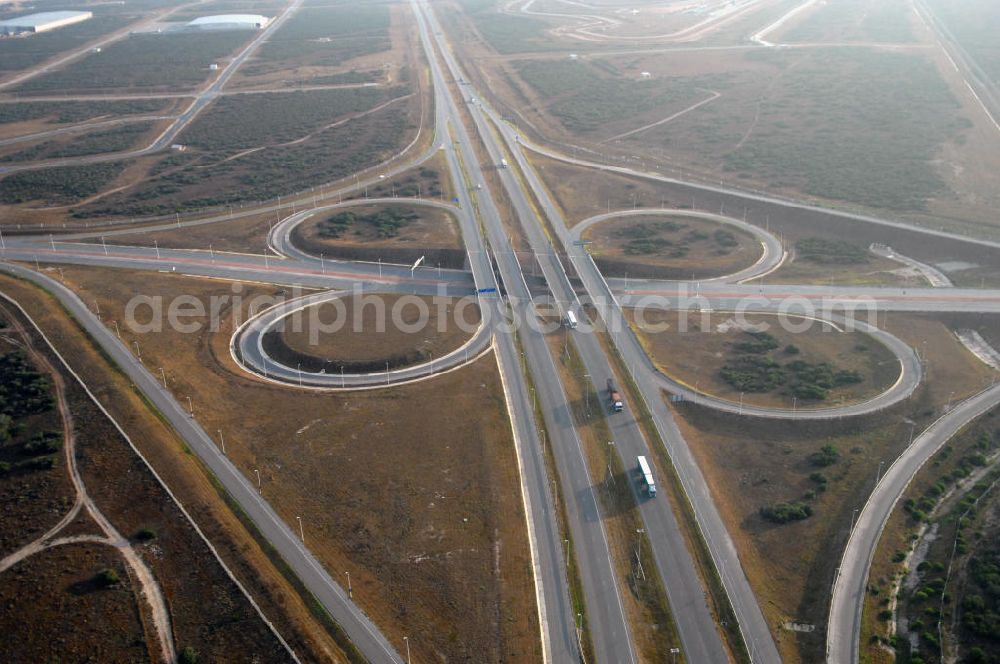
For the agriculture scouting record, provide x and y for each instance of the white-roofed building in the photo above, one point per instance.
(42, 22)
(229, 22)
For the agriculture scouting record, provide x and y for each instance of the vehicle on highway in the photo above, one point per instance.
(570, 320)
(646, 476)
(503, 163)
(614, 397)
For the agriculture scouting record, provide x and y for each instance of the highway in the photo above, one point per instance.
(754, 628)
(699, 633)
(606, 624)
(529, 371)
(844, 627)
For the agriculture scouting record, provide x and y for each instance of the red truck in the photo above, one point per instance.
(614, 398)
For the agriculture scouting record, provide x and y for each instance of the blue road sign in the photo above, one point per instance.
(487, 290)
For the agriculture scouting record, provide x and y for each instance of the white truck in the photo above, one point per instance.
(503, 163)
(646, 476)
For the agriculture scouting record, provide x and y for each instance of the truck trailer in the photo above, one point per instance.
(646, 476)
(614, 398)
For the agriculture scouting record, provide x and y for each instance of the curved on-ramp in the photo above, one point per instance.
(772, 255)
(843, 636)
(247, 350)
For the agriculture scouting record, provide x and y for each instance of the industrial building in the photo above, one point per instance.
(42, 22)
(229, 22)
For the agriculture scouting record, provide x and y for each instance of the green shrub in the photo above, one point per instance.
(826, 456)
(786, 512)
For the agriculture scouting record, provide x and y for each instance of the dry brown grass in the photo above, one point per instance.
(695, 356)
(877, 271)
(362, 339)
(207, 611)
(432, 228)
(751, 463)
(688, 256)
(164, 450)
(54, 610)
(413, 490)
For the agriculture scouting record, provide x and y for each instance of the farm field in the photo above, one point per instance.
(145, 61)
(419, 534)
(670, 247)
(60, 184)
(26, 117)
(117, 139)
(156, 528)
(768, 365)
(888, 21)
(300, 139)
(392, 233)
(367, 338)
(787, 490)
(325, 44)
(21, 54)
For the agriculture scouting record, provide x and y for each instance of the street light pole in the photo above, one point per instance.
(163, 376)
(350, 588)
(302, 533)
(191, 406)
(222, 440)
(257, 472)
(406, 640)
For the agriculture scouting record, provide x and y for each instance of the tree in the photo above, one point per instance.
(107, 577)
(827, 456)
